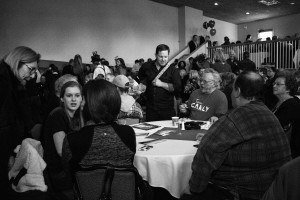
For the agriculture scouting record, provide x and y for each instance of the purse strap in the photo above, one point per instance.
(106, 188)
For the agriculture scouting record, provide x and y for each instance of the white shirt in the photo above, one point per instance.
(101, 69)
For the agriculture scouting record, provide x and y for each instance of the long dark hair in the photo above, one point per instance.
(76, 121)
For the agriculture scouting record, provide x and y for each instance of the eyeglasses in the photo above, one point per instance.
(205, 82)
(278, 83)
(31, 70)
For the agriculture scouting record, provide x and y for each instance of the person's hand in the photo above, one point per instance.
(183, 108)
(213, 119)
(157, 83)
(36, 131)
(187, 190)
(141, 88)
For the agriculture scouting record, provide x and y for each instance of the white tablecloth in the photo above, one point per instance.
(168, 163)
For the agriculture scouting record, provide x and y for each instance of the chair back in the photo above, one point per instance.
(91, 183)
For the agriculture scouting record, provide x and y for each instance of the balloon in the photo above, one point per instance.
(208, 29)
(213, 32)
(211, 23)
(205, 25)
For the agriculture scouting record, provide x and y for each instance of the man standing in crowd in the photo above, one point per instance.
(193, 43)
(246, 64)
(160, 92)
(240, 154)
(100, 71)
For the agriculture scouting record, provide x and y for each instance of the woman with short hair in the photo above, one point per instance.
(287, 109)
(102, 141)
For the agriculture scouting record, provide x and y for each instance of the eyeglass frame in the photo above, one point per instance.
(278, 84)
(32, 70)
(205, 82)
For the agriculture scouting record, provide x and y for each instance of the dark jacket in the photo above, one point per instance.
(158, 97)
(247, 65)
(192, 46)
(12, 127)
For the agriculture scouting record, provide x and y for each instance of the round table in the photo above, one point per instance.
(168, 163)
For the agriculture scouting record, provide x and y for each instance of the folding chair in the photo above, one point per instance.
(115, 182)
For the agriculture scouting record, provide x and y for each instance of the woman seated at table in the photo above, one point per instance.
(287, 109)
(129, 107)
(60, 122)
(208, 102)
(101, 141)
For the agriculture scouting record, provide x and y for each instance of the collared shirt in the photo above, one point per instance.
(242, 151)
(101, 69)
(157, 97)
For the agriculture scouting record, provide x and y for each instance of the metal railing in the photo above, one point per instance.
(281, 53)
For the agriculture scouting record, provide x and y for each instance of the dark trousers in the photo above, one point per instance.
(212, 192)
(157, 114)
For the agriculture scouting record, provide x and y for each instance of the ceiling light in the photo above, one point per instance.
(247, 13)
(269, 2)
(216, 4)
(292, 3)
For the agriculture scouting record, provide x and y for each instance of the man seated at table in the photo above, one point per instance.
(241, 153)
(208, 102)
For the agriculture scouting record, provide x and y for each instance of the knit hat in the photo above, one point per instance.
(121, 81)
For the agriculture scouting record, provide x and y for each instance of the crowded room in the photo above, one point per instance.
(150, 100)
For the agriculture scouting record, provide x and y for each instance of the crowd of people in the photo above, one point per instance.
(79, 116)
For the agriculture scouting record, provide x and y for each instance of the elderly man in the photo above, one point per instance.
(208, 101)
(160, 92)
(241, 153)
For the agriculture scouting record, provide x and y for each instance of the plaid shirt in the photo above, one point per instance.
(134, 112)
(242, 151)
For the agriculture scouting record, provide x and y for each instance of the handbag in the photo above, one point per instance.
(106, 190)
(144, 190)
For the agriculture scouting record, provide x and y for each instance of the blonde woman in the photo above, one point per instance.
(16, 68)
(220, 64)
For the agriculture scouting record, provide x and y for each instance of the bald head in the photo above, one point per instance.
(250, 85)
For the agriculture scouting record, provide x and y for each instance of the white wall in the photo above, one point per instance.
(59, 29)
(191, 20)
(282, 27)
(222, 29)
(194, 20)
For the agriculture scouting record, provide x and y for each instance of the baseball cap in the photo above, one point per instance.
(121, 81)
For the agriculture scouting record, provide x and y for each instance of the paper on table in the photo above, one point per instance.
(145, 126)
(172, 133)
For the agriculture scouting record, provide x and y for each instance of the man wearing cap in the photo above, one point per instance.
(100, 70)
(129, 107)
(160, 92)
